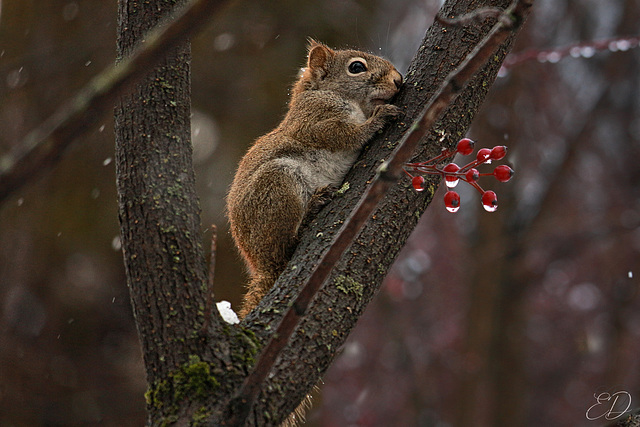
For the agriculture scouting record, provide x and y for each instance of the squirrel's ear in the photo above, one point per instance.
(319, 56)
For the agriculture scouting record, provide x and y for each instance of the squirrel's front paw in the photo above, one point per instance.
(387, 111)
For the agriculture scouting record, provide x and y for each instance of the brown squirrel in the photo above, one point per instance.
(339, 102)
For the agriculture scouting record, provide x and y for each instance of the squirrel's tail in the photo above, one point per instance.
(257, 289)
(297, 417)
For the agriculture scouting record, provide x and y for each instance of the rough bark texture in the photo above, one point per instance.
(193, 363)
(158, 205)
(160, 218)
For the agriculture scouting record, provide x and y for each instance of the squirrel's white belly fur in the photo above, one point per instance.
(318, 169)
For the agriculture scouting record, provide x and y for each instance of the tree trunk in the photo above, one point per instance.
(159, 209)
(194, 363)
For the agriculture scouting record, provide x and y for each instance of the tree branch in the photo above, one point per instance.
(42, 147)
(585, 49)
(211, 279)
(388, 174)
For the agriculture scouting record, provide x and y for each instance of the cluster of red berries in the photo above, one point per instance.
(452, 173)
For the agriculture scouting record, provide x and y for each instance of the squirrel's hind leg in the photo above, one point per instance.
(274, 213)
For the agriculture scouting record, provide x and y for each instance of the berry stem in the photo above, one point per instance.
(470, 165)
(445, 153)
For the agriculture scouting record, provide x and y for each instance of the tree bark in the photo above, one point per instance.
(160, 215)
(194, 363)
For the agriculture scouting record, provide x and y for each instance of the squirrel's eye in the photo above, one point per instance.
(357, 67)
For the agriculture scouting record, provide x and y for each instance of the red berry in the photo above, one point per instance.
(452, 201)
(483, 155)
(489, 201)
(451, 180)
(418, 183)
(451, 167)
(498, 152)
(503, 173)
(472, 175)
(465, 146)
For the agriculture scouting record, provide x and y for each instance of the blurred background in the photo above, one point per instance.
(513, 318)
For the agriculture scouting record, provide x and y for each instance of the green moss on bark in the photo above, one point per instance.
(193, 380)
(349, 285)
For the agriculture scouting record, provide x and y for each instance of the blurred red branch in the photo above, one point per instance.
(585, 49)
(42, 148)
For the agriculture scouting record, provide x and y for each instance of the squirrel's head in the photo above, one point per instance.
(358, 76)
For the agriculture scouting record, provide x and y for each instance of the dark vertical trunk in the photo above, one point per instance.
(158, 207)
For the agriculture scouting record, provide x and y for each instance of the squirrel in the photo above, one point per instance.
(338, 103)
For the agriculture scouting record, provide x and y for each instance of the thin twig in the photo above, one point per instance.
(387, 175)
(214, 250)
(43, 146)
(212, 269)
(477, 15)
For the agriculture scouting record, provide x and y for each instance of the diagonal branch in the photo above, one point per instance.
(41, 148)
(387, 175)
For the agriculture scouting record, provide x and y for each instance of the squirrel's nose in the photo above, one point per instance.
(398, 80)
